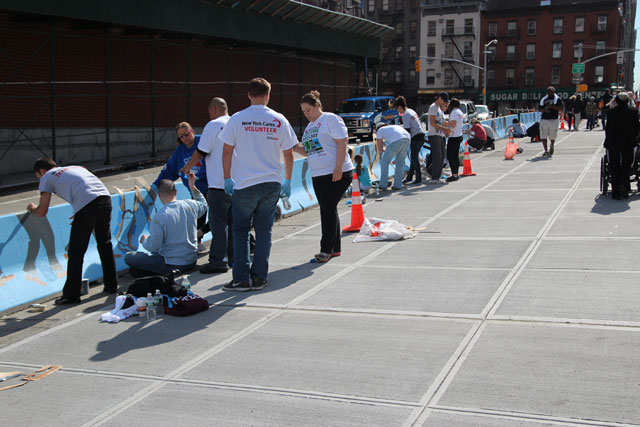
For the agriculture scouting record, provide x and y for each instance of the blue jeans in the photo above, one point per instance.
(221, 224)
(399, 150)
(257, 203)
(152, 263)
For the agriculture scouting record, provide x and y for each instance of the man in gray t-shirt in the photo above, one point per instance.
(437, 132)
(91, 205)
(172, 242)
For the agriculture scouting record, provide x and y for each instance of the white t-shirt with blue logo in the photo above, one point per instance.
(74, 184)
(258, 134)
(319, 143)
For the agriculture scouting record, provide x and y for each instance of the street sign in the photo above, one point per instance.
(577, 78)
(620, 58)
(577, 68)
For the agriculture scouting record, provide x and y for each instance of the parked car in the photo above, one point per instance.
(468, 109)
(360, 115)
(483, 112)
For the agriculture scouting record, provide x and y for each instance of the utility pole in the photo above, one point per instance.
(484, 71)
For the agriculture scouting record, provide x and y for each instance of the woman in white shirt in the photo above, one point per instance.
(456, 119)
(325, 144)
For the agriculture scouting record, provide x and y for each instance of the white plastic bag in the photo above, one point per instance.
(375, 229)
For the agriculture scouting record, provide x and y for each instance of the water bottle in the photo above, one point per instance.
(286, 203)
(158, 303)
(151, 307)
(186, 283)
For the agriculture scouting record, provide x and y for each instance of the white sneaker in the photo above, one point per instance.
(201, 247)
(435, 181)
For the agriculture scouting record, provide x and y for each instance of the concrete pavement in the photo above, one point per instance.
(517, 306)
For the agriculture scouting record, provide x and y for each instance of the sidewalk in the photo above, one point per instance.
(517, 306)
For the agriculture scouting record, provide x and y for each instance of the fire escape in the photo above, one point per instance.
(455, 36)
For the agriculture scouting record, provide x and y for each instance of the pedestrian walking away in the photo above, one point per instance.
(324, 143)
(257, 135)
(578, 111)
(411, 122)
(621, 138)
(603, 106)
(172, 243)
(398, 141)
(551, 107)
(91, 205)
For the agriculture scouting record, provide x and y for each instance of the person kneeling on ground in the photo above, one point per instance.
(478, 135)
(398, 142)
(172, 240)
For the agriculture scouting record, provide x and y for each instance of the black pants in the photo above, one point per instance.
(476, 143)
(329, 194)
(620, 161)
(438, 151)
(93, 218)
(416, 144)
(453, 153)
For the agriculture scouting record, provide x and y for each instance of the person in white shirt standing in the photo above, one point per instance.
(411, 122)
(456, 119)
(220, 215)
(324, 143)
(256, 134)
(398, 141)
(437, 133)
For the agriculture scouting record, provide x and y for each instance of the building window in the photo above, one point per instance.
(600, 47)
(468, 26)
(599, 74)
(577, 49)
(448, 77)
(556, 53)
(602, 22)
(491, 77)
(468, 50)
(529, 76)
(413, 4)
(557, 25)
(398, 76)
(531, 28)
(511, 52)
(398, 6)
(450, 26)
(531, 51)
(555, 75)
(384, 75)
(413, 26)
(431, 28)
(371, 5)
(492, 29)
(491, 56)
(467, 76)
(580, 24)
(511, 28)
(412, 76)
(399, 27)
(510, 76)
(431, 77)
(431, 50)
(412, 51)
(385, 5)
(399, 53)
(385, 51)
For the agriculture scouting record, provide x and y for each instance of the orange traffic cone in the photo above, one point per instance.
(561, 124)
(466, 164)
(511, 148)
(357, 213)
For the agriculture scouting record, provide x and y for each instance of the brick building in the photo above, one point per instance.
(539, 40)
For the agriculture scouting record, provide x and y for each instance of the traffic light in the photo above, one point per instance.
(417, 64)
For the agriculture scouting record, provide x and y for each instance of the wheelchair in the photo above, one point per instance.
(605, 171)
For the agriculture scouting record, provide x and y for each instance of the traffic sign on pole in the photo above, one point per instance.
(578, 68)
(620, 58)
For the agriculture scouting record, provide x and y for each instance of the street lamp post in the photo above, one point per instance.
(484, 86)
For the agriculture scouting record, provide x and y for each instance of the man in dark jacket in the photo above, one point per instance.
(622, 129)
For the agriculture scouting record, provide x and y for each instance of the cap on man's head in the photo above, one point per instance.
(551, 88)
(444, 96)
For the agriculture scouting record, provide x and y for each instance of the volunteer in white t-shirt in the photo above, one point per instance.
(91, 205)
(398, 141)
(220, 215)
(257, 135)
(456, 120)
(411, 122)
(325, 144)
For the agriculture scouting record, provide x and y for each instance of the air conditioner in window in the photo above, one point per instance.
(448, 81)
(440, 21)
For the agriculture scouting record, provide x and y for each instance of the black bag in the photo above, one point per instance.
(167, 286)
(185, 305)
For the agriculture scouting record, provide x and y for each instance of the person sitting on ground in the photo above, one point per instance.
(478, 135)
(398, 143)
(172, 239)
(363, 173)
(519, 130)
